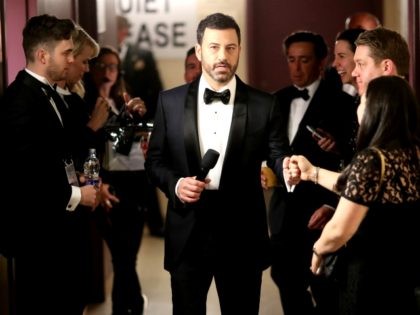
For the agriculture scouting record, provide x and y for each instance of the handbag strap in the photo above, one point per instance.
(382, 157)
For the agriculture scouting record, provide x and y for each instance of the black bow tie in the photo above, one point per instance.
(301, 93)
(210, 96)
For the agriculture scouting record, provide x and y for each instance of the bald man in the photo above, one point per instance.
(364, 20)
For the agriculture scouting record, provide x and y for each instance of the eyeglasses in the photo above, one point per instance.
(112, 67)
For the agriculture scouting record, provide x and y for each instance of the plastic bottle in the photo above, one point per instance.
(91, 168)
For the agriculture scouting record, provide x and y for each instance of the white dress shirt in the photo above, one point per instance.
(298, 109)
(214, 121)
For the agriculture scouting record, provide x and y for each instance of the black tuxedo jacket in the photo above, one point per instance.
(34, 171)
(328, 109)
(238, 223)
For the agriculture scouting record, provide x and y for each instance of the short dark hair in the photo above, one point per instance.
(190, 51)
(320, 47)
(350, 36)
(45, 30)
(217, 21)
(387, 44)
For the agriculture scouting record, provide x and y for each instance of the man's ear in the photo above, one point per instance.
(198, 51)
(388, 67)
(41, 55)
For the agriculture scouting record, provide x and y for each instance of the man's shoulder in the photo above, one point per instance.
(332, 91)
(19, 86)
(280, 93)
(177, 89)
(252, 91)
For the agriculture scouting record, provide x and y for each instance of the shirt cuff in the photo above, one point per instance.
(290, 188)
(176, 188)
(76, 196)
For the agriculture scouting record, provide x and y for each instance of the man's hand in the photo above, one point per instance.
(107, 198)
(320, 217)
(291, 172)
(189, 189)
(326, 142)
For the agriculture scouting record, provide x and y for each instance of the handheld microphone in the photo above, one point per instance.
(207, 163)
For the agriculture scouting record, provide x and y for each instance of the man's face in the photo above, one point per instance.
(192, 68)
(343, 61)
(366, 69)
(219, 56)
(80, 65)
(304, 67)
(58, 61)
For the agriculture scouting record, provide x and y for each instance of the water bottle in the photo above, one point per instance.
(91, 168)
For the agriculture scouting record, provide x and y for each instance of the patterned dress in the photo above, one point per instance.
(380, 267)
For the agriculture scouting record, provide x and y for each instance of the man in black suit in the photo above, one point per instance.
(139, 69)
(38, 171)
(294, 221)
(217, 228)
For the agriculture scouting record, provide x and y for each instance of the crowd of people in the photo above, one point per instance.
(343, 141)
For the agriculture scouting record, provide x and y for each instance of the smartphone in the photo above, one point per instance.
(315, 133)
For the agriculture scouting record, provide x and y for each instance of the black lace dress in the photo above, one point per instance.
(381, 267)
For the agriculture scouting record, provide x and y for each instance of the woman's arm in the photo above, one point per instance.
(342, 226)
(300, 166)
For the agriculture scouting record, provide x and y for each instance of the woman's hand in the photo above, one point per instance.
(300, 166)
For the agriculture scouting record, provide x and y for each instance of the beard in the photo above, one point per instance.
(220, 75)
(56, 72)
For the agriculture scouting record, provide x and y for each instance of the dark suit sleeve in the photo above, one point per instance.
(278, 141)
(158, 162)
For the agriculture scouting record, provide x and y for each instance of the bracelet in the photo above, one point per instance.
(315, 175)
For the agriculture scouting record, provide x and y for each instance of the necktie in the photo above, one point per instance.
(301, 93)
(210, 96)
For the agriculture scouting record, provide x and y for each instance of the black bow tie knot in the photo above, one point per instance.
(301, 93)
(210, 96)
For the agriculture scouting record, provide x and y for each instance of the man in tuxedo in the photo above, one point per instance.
(216, 228)
(297, 214)
(40, 175)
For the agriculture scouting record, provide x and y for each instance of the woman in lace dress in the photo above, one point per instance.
(378, 217)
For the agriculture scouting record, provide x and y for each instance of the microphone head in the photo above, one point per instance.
(208, 161)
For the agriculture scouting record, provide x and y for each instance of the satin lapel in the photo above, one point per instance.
(192, 144)
(237, 128)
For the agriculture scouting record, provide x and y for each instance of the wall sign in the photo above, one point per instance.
(167, 27)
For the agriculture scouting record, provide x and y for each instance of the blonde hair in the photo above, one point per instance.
(81, 40)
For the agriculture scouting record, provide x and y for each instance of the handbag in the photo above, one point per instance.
(331, 260)
(329, 267)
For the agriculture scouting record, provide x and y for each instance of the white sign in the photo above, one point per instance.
(167, 27)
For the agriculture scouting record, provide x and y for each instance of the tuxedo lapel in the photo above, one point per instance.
(192, 144)
(237, 128)
(42, 89)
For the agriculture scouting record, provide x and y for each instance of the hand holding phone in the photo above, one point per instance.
(315, 133)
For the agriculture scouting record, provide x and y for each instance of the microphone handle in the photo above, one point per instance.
(202, 175)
